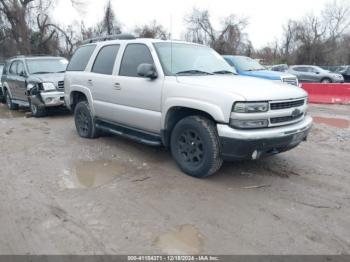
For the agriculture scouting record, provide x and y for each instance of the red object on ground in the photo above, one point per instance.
(327, 93)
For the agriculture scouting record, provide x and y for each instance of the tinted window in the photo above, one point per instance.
(105, 59)
(13, 68)
(81, 58)
(134, 55)
(300, 69)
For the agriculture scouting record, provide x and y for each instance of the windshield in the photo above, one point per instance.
(244, 63)
(189, 59)
(46, 66)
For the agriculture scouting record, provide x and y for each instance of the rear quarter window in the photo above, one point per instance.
(105, 60)
(81, 58)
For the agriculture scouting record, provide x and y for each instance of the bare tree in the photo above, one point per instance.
(230, 39)
(152, 30)
(110, 25)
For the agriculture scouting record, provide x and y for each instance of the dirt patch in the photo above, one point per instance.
(186, 239)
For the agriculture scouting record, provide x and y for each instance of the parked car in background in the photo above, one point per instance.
(345, 71)
(247, 66)
(183, 96)
(1, 94)
(306, 73)
(35, 82)
(279, 68)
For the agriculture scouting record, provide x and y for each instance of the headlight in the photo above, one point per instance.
(256, 107)
(249, 124)
(48, 86)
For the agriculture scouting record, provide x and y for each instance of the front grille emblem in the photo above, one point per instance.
(296, 113)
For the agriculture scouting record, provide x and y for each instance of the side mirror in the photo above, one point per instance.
(147, 70)
(22, 74)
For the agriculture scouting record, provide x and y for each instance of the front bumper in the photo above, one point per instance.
(48, 99)
(253, 144)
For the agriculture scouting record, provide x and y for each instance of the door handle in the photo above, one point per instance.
(117, 86)
(90, 82)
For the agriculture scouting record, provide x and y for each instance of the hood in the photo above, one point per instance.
(53, 78)
(271, 75)
(252, 89)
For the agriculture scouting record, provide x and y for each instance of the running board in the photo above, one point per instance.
(130, 133)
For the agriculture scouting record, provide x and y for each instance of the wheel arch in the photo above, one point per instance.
(175, 113)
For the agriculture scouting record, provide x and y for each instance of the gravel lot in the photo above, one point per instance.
(60, 194)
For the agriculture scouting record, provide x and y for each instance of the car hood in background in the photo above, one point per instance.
(267, 74)
(252, 89)
(53, 78)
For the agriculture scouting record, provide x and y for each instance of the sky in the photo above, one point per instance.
(265, 17)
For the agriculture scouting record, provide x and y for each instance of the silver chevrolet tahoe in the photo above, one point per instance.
(35, 82)
(183, 96)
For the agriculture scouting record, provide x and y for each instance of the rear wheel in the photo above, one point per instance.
(195, 146)
(9, 103)
(84, 120)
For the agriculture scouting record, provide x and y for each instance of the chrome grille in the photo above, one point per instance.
(277, 120)
(290, 80)
(60, 85)
(286, 105)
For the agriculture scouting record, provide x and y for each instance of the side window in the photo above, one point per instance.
(13, 68)
(348, 72)
(105, 60)
(134, 55)
(81, 58)
(20, 68)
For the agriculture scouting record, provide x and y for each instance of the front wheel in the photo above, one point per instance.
(195, 146)
(37, 111)
(84, 120)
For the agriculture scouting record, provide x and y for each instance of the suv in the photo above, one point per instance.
(35, 82)
(183, 96)
(315, 74)
(247, 66)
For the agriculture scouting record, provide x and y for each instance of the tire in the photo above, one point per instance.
(195, 146)
(37, 111)
(84, 120)
(326, 80)
(10, 105)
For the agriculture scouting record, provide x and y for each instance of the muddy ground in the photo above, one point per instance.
(60, 194)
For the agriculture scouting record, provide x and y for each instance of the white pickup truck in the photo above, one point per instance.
(183, 96)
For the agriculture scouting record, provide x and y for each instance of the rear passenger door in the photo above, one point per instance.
(138, 99)
(103, 83)
(11, 77)
(20, 82)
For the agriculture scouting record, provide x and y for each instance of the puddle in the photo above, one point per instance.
(334, 122)
(184, 241)
(5, 113)
(90, 174)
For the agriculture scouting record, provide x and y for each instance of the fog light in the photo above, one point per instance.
(48, 100)
(249, 124)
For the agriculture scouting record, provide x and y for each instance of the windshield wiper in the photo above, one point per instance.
(255, 69)
(223, 72)
(39, 73)
(194, 72)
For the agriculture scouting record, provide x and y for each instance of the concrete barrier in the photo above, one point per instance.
(327, 93)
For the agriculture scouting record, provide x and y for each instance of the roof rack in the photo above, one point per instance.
(109, 37)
